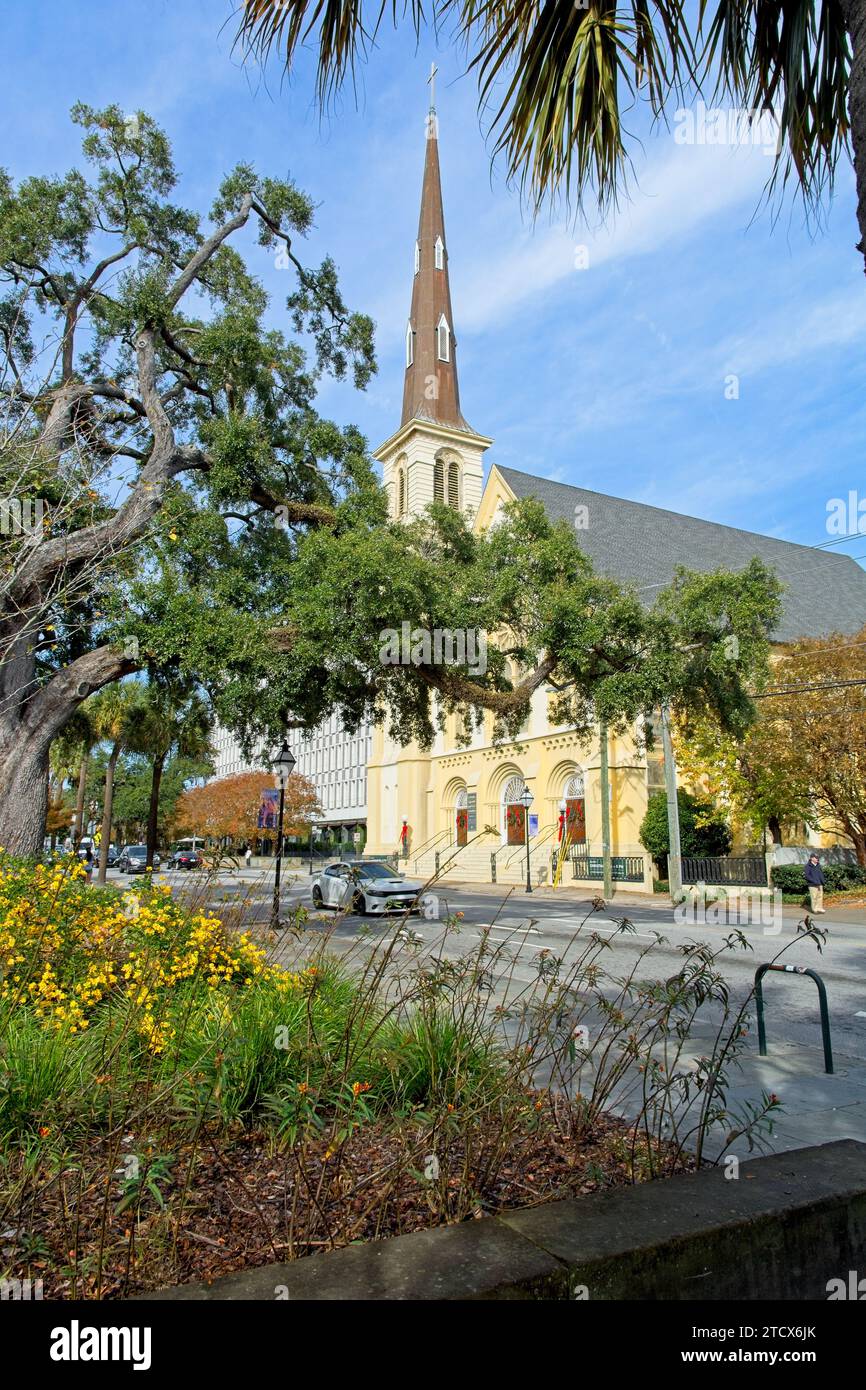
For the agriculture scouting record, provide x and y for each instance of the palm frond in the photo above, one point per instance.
(555, 73)
(790, 58)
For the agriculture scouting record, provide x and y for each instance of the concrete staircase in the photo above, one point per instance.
(472, 862)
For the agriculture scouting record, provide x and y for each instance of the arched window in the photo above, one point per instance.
(417, 258)
(438, 481)
(514, 788)
(410, 347)
(443, 340)
(454, 485)
(574, 786)
(439, 254)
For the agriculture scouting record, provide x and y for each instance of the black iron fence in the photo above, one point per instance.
(740, 870)
(625, 868)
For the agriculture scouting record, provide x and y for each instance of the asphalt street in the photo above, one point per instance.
(545, 922)
(525, 935)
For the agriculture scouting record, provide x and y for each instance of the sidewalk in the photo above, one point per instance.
(578, 893)
(816, 1108)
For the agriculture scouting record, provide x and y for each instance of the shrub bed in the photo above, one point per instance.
(839, 878)
(173, 1104)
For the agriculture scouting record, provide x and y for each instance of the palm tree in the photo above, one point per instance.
(70, 752)
(175, 720)
(116, 713)
(554, 76)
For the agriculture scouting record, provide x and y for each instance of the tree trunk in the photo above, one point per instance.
(105, 840)
(775, 829)
(153, 813)
(24, 800)
(855, 21)
(78, 822)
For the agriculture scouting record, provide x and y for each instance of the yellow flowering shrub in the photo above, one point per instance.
(66, 949)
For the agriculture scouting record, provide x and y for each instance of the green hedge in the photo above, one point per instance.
(838, 878)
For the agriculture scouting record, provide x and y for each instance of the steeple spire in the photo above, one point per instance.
(430, 390)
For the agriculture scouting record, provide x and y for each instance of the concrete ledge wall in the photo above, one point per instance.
(781, 1230)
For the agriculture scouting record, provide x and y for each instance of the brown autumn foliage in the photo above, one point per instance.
(229, 806)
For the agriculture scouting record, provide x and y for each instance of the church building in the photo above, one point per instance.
(462, 810)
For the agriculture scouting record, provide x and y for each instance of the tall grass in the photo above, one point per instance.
(140, 1039)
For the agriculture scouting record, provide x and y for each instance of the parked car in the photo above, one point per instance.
(133, 859)
(365, 887)
(185, 859)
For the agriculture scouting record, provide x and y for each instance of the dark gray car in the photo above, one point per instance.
(133, 859)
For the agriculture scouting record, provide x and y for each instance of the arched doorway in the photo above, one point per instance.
(515, 812)
(575, 810)
(461, 812)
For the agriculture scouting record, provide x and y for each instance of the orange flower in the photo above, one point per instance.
(44, 1130)
(359, 1086)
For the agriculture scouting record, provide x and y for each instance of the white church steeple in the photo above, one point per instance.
(435, 455)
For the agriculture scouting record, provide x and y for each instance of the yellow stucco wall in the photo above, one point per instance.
(424, 787)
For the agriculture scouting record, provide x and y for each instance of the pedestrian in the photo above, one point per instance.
(815, 880)
(248, 856)
(88, 864)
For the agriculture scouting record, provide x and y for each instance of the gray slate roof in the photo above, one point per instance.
(823, 592)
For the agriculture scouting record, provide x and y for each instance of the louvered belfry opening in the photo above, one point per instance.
(454, 485)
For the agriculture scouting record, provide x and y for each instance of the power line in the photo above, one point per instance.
(838, 540)
(803, 689)
(812, 651)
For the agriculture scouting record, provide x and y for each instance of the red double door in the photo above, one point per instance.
(575, 820)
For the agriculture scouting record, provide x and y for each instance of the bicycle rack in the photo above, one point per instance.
(822, 1000)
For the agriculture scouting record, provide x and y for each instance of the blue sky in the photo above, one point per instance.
(610, 377)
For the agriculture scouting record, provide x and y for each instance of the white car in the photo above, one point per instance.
(365, 887)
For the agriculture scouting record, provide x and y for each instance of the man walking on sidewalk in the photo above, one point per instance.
(815, 880)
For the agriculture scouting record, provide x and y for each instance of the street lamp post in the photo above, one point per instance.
(314, 835)
(282, 763)
(525, 799)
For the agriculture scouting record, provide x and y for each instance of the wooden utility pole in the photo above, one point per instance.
(675, 867)
(605, 811)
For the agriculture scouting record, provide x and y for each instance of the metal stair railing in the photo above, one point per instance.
(428, 844)
(534, 842)
(440, 868)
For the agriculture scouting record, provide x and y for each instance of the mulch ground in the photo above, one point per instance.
(231, 1206)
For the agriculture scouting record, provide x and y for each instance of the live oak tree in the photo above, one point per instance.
(206, 523)
(159, 368)
(556, 77)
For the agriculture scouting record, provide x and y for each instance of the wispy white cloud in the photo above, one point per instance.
(680, 189)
